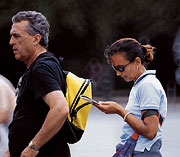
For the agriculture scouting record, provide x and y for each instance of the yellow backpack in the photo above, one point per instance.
(78, 108)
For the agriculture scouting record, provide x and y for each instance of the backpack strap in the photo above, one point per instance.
(135, 136)
(153, 112)
(77, 98)
(81, 91)
(60, 59)
(146, 114)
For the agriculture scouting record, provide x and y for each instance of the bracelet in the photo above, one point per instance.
(124, 119)
(32, 146)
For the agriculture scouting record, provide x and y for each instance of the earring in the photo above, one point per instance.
(137, 68)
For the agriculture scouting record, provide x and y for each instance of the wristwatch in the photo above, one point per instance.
(32, 146)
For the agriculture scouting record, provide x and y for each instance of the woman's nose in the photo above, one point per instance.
(118, 73)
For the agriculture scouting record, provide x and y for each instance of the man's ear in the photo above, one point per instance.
(37, 39)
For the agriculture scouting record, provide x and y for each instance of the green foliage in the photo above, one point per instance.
(85, 27)
(108, 19)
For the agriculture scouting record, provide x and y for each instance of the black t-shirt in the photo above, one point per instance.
(43, 76)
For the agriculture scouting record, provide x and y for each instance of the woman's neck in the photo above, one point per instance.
(140, 71)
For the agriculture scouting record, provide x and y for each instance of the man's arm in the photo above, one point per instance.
(54, 121)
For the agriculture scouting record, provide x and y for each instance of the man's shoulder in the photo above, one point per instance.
(45, 59)
(46, 64)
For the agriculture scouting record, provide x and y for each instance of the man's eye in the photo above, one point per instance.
(16, 36)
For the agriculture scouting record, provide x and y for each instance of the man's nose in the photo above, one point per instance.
(11, 41)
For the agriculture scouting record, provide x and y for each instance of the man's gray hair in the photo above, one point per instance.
(38, 24)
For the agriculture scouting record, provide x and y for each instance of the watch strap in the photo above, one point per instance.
(32, 146)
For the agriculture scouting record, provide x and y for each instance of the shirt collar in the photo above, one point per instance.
(148, 72)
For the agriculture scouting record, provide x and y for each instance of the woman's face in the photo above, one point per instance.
(124, 68)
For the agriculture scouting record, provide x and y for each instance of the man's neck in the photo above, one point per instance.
(34, 56)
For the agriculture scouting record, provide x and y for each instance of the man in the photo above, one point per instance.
(41, 106)
(7, 104)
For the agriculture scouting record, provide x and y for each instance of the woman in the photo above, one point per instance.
(129, 59)
(7, 104)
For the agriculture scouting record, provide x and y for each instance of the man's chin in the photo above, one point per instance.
(17, 57)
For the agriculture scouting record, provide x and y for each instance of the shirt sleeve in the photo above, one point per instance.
(45, 79)
(149, 97)
(4, 96)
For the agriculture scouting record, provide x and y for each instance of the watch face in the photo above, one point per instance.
(30, 144)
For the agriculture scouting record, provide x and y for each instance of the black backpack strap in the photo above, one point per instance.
(153, 112)
(77, 98)
(60, 59)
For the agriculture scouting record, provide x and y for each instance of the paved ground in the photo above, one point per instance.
(103, 131)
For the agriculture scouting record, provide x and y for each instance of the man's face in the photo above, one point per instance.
(21, 41)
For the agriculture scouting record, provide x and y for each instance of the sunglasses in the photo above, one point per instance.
(120, 68)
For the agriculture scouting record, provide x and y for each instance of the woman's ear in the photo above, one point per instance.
(37, 39)
(137, 61)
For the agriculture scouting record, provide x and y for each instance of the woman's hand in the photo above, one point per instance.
(109, 107)
(147, 127)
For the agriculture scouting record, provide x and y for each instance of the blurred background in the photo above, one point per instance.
(82, 29)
